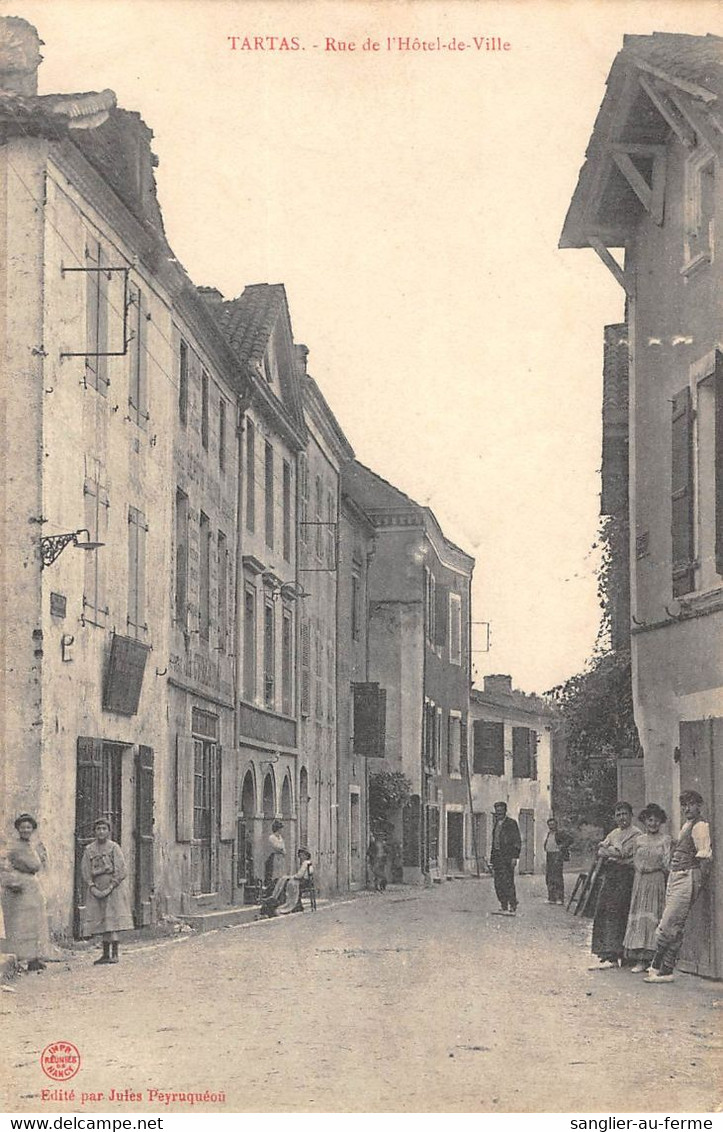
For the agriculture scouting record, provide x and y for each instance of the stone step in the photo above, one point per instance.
(206, 921)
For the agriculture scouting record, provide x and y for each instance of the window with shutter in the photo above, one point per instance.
(250, 475)
(719, 462)
(138, 357)
(370, 702)
(181, 594)
(144, 836)
(96, 504)
(441, 615)
(305, 668)
(454, 744)
(137, 530)
(489, 747)
(222, 589)
(249, 673)
(204, 409)
(96, 364)
(286, 507)
(183, 382)
(521, 752)
(204, 595)
(682, 526)
(455, 628)
(185, 762)
(269, 494)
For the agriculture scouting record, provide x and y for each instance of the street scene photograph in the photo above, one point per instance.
(361, 603)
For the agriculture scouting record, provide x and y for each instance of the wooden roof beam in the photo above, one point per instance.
(704, 123)
(612, 264)
(669, 112)
(634, 177)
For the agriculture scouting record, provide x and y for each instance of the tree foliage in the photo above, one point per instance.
(389, 790)
(596, 705)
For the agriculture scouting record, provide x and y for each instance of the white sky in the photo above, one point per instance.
(412, 205)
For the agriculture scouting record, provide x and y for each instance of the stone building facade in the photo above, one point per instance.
(651, 185)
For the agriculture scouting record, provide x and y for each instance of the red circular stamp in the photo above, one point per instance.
(60, 1061)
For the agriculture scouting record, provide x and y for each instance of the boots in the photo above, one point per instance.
(105, 957)
(114, 951)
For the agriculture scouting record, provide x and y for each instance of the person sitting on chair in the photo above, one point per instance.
(286, 896)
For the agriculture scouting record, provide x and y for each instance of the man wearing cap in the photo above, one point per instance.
(506, 846)
(690, 864)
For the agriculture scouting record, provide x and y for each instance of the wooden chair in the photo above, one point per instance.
(308, 890)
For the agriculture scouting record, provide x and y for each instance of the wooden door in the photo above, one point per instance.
(144, 837)
(527, 833)
(98, 787)
(455, 841)
(698, 953)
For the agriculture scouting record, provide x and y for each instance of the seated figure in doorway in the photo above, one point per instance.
(286, 895)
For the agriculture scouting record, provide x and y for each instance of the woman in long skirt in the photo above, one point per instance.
(651, 859)
(23, 902)
(107, 905)
(611, 914)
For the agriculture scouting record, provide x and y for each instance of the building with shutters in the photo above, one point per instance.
(110, 673)
(419, 663)
(361, 704)
(511, 751)
(651, 186)
(272, 433)
(319, 512)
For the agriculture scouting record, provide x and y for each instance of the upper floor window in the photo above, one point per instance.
(454, 743)
(699, 219)
(269, 494)
(181, 594)
(222, 593)
(97, 504)
(204, 595)
(524, 752)
(488, 755)
(138, 357)
(137, 530)
(183, 382)
(250, 474)
(286, 503)
(96, 307)
(204, 409)
(455, 628)
(222, 435)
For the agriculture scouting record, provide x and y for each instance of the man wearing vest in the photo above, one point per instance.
(506, 846)
(690, 865)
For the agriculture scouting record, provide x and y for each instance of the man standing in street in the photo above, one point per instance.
(690, 864)
(506, 846)
(557, 851)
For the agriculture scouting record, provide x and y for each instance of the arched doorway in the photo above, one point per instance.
(268, 804)
(245, 839)
(303, 807)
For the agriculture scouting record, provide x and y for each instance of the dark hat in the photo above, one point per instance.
(276, 825)
(691, 796)
(500, 806)
(25, 817)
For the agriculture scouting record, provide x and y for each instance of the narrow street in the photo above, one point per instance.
(416, 1000)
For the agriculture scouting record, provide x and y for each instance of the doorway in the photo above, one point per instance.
(699, 739)
(527, 833)
(98, 793)
(455, 840)
(355, 841)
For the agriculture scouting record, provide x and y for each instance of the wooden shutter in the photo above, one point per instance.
(521, 752)
(441, 614)
(533, 754)
(719, 461)
(144, 836)
(489, 747)
(477, 747)
(228, 793)
(305, 668)
(185, 761)
(682, 493)
(370, 702)
(411, 832)
(88, 792)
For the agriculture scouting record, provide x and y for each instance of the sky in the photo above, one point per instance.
(411, 202)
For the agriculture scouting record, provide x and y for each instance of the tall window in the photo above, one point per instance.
(222, 579)
(303, 500)
(181, 610)
(138, 358)
(96, 305)
(286, 534)
(319, 536)
(331, 530)
(356, 620)
(96, 506)
(524, 752)
(318, 673)
(430, 605)
(455, 628)
(222, 434)
(204, 593)
(269, 494)
(454, 743)
(699, 206)
(269, 647)
(682, 495)
(183, 382)
(305, 667)
(204, 409)
(250, 475)
(137, 530)
(287, 661)
(489, 747)
(249, 674)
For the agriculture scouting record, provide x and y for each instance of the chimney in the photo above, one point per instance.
(210, 294)
(498, 684)
(302, 353)
(19, 56)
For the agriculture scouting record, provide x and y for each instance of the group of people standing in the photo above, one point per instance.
(24, 921)
(649, 886)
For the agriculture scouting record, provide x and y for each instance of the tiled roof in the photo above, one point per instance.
(691, 59)
(249, 320)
